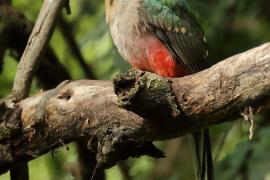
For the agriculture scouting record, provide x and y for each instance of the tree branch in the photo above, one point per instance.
(14, 35)
(89, 110)
(36, 46)
(30, 61)
(66, 30)
(16, 21)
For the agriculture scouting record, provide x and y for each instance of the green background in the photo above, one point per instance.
(231, 26)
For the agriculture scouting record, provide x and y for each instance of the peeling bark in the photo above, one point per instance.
(156, 109)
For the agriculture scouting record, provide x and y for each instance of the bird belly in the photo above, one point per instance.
(146, 52)
(153, 56)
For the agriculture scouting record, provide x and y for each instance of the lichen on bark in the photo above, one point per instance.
(146, 94)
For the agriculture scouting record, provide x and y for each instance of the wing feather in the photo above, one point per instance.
(176, 26)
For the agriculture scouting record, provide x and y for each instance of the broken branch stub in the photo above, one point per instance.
(146, 94)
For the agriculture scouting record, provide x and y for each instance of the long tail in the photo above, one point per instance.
(202, 155)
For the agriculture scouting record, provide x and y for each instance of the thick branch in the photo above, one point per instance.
(88, 109)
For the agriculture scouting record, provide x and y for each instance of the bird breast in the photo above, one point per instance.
(144, 51)
(133, 42)
(140, 47)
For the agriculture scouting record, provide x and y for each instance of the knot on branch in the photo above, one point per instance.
(146, 94)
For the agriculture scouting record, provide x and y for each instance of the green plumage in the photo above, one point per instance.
(165, 13)
(175, 24)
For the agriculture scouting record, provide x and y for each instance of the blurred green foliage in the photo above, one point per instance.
(231, 26)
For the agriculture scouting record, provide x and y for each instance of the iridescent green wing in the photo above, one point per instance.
(174, 23)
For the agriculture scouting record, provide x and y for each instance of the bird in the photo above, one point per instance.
(163, 37)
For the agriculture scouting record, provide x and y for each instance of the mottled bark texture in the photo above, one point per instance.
(153, 108)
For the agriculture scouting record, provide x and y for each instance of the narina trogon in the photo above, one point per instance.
(164, 37)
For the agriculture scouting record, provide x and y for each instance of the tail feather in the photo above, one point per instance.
(202, 155)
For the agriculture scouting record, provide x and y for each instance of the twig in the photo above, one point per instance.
(66, 31)
(50, 72)
(30, 60)
(36, 46)
(249, 117)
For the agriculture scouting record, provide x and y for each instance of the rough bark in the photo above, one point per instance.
(153, 108)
